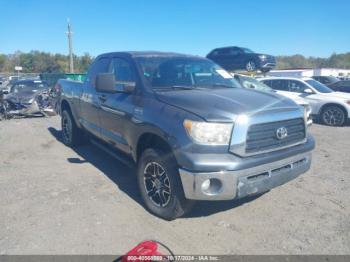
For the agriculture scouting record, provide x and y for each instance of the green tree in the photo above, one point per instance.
(3, 59)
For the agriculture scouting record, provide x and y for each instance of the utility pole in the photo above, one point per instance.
(69, 34)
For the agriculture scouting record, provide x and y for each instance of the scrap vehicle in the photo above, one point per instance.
(25, 98)
(251, 82)
(240, 58)
(330, 107)
(190, 128)
(3, 106)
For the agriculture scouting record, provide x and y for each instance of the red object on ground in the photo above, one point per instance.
(142, 252)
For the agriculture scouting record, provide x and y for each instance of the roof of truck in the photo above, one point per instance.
(147, 54)
(285, 78)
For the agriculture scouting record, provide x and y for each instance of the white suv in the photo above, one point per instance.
(332, 108)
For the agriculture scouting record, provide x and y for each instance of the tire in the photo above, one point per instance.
(265, 70)
(160, 185)
(72, 135)
(333, 115)
(250, 66)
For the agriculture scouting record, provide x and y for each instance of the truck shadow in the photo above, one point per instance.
(207, 208)
(124, 177)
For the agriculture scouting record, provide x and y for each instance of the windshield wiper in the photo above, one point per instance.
(182, 87)
(174, 87)
(222, 85)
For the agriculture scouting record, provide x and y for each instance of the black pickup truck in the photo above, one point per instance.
(190, 128)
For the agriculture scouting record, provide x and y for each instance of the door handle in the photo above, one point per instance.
(102, 98)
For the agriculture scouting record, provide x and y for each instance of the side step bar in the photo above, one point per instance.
(119, 156)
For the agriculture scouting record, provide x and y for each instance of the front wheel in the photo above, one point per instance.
(265, 70)
(250, 66)
(333, 116)
(160, 185)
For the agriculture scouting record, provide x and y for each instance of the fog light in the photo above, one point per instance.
(206, 185)
(211, 186)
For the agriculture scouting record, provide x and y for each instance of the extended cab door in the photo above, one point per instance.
(118, 108)
(89, 100)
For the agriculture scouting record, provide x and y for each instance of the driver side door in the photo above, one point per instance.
(117, 108)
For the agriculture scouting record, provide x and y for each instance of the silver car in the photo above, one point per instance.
(330, 107)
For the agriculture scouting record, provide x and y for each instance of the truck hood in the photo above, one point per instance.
(225, 104)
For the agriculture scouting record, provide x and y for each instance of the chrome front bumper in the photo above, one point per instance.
(226, 185)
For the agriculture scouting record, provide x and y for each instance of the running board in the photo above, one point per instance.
(123, 159)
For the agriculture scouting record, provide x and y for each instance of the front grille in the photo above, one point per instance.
(262, 137)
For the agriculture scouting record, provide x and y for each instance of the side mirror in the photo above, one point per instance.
(308, 91)
(125, 87)
(105, 82)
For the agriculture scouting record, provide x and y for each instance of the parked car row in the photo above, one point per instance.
(330, 107)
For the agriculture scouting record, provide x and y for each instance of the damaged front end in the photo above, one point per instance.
(26, 104)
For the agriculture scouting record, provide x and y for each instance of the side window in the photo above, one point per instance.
(268, 83)
(214, 53)
(224, 51)
(234, 51)
(326, 80)
(296, 86)
(123, 70)
(99, 66)
(278, 84)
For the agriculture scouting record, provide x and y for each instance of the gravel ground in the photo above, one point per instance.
(56, 200)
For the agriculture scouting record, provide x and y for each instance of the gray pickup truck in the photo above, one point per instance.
(190, 128)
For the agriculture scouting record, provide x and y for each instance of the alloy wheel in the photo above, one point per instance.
(157, 184)
(333, 116)
(250, 66)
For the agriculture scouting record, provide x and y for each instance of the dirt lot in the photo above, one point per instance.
(55, 200)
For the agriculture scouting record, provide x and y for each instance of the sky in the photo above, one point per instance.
(278, 27)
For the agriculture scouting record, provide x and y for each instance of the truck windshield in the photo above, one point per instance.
(184, 73)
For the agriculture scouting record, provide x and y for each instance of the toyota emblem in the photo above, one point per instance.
(281, 133)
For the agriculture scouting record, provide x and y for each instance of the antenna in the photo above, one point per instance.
(70, 47)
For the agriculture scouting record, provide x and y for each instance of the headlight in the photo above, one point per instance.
(262, 57)
(307, 110)
(307, 114)
(209, 133)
